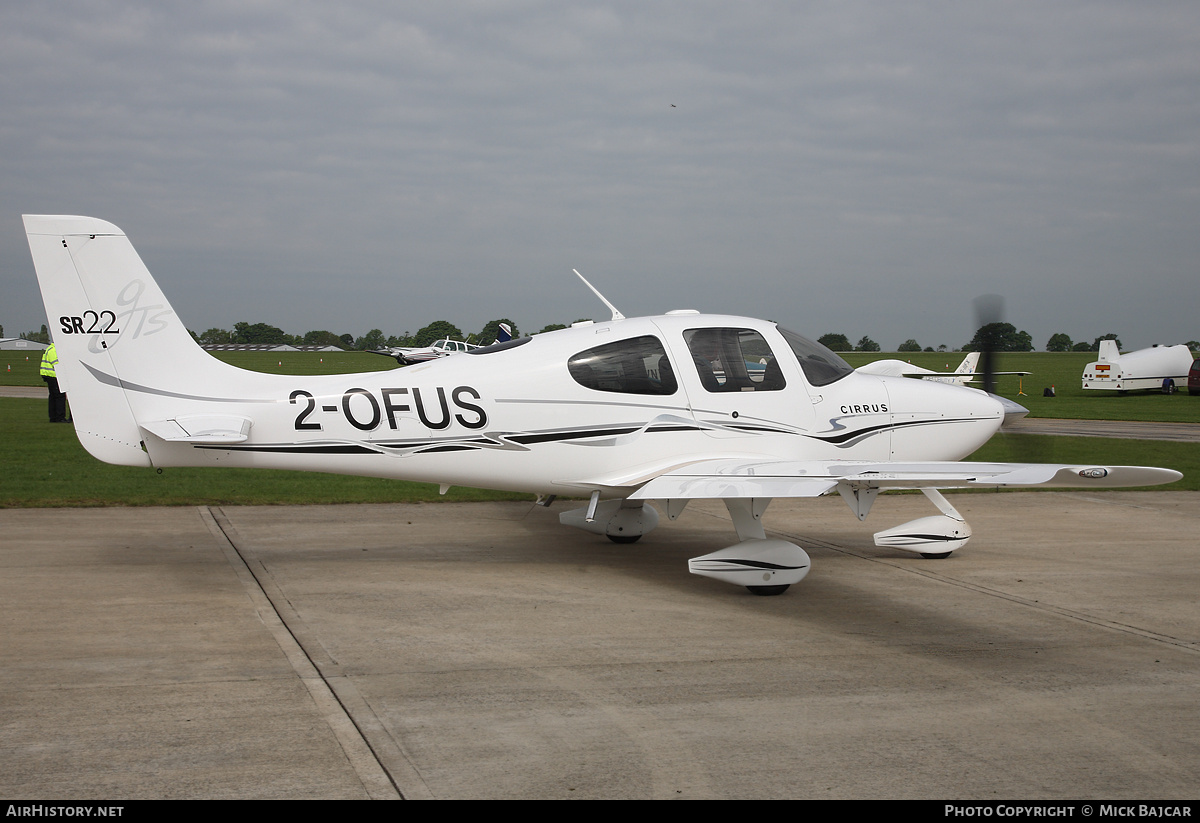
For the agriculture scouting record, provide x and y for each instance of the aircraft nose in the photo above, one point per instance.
(991, 406)
(960, 402)
(935, 421)
(1013, 410)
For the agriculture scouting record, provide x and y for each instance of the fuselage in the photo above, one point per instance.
(566, 412)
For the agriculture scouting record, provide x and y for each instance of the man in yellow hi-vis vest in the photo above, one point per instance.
(58, 400)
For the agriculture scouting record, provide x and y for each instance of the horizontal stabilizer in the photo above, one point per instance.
(207, 428)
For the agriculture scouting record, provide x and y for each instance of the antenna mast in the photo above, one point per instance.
(616, 314)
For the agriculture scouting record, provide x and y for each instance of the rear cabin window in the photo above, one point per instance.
(734, 360)
(638, 365)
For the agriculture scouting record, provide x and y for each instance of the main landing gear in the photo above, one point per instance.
(765, 567)
(935, 537)
(768, 566)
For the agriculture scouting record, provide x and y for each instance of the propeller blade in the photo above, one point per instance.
(989, 311)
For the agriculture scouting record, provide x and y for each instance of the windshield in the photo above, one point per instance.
(821, 366)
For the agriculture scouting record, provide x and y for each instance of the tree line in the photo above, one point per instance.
(996, 336)
(993, 336)
(264, 333)
(244, 333)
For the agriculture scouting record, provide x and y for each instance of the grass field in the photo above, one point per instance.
(1062, 371)
(43, 465)
(21, 372)
(1111, 451)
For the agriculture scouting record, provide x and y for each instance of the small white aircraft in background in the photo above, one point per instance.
(900, 368)
(964, 374)
(411, 355)
(618, 412)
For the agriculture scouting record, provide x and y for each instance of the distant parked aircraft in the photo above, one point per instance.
(965, 373)
(406, 355)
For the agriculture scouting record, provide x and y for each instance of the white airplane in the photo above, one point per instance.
(964, 374)
(411, 355)
(619, 412)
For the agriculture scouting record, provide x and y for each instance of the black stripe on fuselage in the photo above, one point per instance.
(534, 438)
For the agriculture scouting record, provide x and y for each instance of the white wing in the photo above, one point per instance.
(729, 478)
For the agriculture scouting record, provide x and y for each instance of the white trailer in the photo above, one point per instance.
(1161, 368)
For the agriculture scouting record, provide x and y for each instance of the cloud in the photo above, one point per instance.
(861, 168)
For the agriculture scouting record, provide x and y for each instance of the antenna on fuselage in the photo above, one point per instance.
(616, 314)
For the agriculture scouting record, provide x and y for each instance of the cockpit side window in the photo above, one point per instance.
(821, 366)
(734, 360)
(638, 365)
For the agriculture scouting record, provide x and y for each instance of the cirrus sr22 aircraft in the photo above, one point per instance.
(672, 408)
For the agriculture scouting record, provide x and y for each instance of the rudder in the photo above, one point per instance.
(113, 328)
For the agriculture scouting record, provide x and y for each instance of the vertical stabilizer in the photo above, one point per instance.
(120, 344)
(969, 364)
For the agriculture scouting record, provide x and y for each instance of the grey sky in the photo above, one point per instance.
(863, 168)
